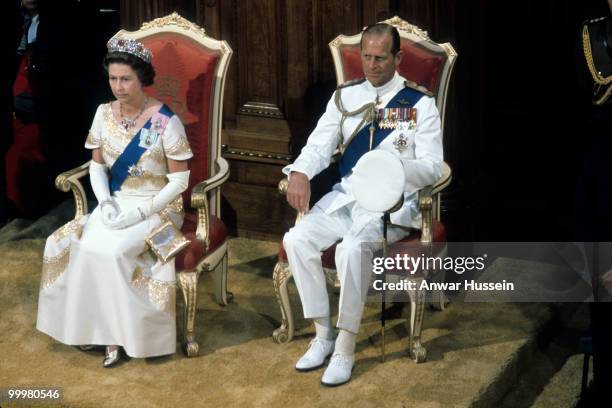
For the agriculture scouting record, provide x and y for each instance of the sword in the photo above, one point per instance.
(386, 219)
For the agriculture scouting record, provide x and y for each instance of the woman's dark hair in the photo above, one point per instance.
(144, 70)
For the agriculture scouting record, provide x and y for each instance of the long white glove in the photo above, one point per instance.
(177, 183)
(99, 184)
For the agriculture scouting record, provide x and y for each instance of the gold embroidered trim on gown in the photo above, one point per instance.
(155, 155)
(53, 267)
(161, 294)
(72, 227)
(181, 148)
(176, 205)
(109, 153)
(91, 140)
(145, 180)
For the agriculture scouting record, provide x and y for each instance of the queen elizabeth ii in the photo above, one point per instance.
(100, 283)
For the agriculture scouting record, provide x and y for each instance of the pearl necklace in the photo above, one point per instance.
(129, 123)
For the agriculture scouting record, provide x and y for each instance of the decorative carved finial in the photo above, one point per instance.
(406, 27)
(336, 42)
(174, 19)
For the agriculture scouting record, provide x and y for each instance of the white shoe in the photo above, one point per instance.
(318, 350)
(339, 370)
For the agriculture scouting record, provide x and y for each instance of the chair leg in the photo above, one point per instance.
(280, 277)
(438, 298)
(219, 277)
(416, 350)
(439, 301)
(188, 280)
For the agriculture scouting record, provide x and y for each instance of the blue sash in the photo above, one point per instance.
(131, 154)
(360, 144)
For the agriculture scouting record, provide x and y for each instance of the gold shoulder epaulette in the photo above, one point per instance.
(351, 83)
(417, 87)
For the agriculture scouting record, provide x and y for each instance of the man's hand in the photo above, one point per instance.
(298, 192)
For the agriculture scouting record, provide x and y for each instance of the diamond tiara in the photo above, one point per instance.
(121, 44)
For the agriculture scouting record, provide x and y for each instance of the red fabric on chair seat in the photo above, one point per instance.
(438, 234)
(328, 256)
(190, 256)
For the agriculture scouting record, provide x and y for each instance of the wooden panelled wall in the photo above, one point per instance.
(281, 68)
(279, 81)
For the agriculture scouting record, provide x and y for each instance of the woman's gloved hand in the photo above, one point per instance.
(110, 210)
(126, 218)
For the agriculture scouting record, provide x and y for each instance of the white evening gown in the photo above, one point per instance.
(103, 286)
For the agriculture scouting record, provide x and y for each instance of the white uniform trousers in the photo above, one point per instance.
(318, 231)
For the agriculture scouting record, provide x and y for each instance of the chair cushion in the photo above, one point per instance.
(328, 256)
(193, 254)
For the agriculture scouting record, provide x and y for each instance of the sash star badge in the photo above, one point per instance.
(135, 171)
(401, 143)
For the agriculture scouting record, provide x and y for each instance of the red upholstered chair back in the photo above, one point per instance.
(425, 62)
(189, 77)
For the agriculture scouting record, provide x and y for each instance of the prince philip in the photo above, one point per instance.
(382, 111)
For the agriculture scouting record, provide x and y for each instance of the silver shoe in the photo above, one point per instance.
(111, 357)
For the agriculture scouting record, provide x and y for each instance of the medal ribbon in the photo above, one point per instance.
(360, 145)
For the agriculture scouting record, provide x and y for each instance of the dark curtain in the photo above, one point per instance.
(513, 126)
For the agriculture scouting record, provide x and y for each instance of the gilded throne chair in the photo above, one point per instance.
(190, 77)
(429, 66)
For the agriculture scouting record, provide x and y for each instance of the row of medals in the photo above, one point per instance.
(396, 118)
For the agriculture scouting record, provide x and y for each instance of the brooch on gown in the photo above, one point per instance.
(148, 137)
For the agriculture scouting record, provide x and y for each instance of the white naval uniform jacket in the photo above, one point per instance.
(422, 159)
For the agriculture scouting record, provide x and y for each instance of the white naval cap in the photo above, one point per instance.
(378, 180)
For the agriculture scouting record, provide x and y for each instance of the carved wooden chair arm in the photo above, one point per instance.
(426, 208)
(69, 180)
(444, 180)
(426, 199)
(199, 200)
(283, 185)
